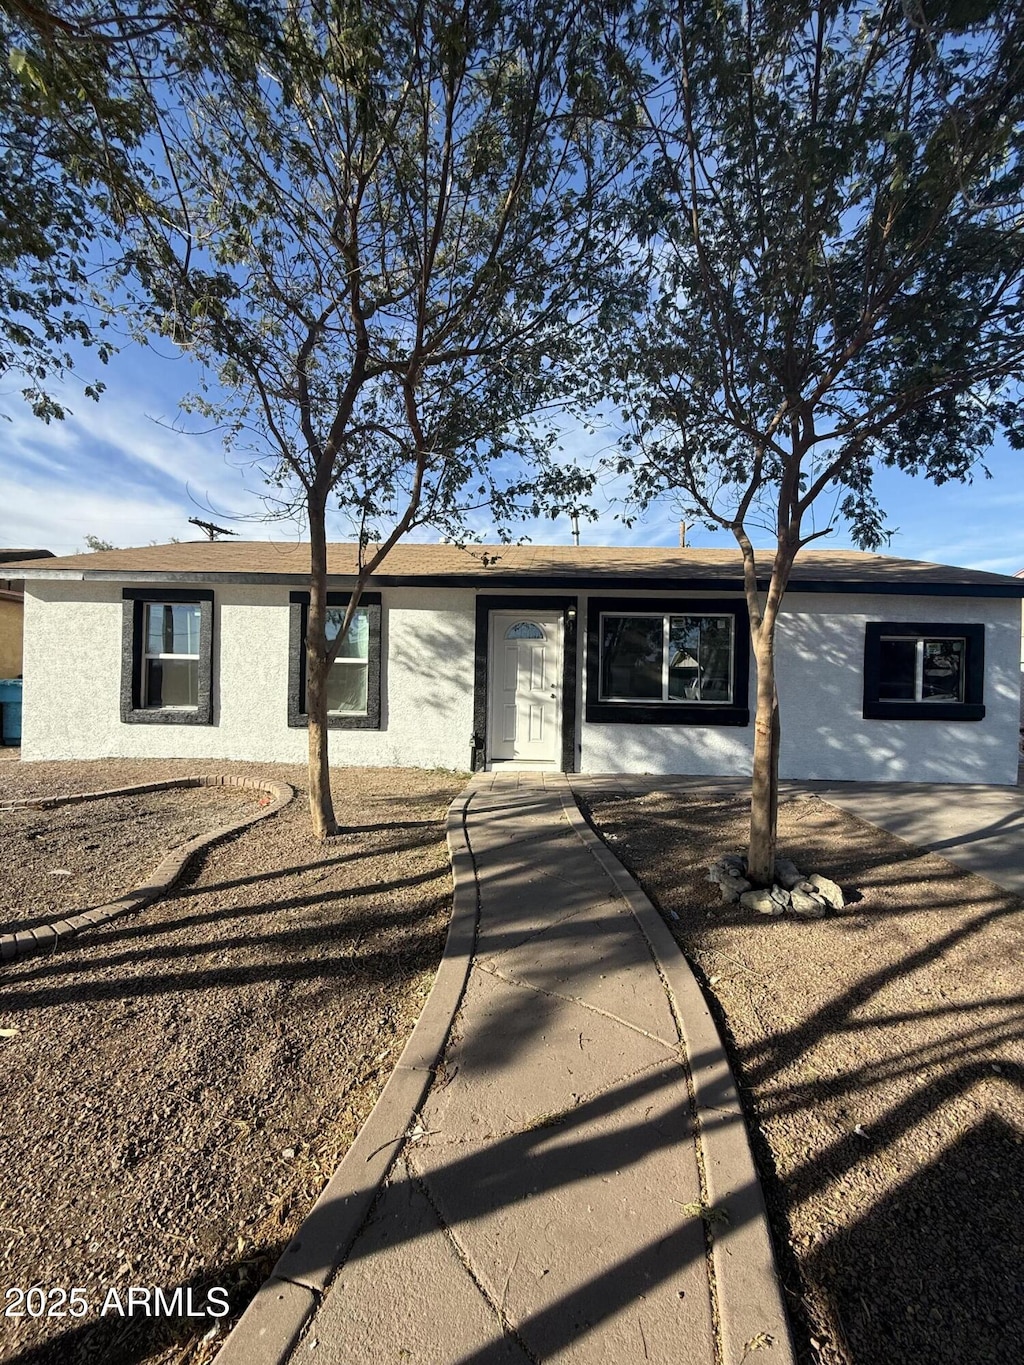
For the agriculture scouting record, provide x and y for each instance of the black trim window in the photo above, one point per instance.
(929, 671)
(353, 685)
(170, 654)
(167, 656)
(661, 663)
(666, 658)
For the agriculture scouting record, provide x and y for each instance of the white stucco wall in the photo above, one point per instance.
(820, 656)
(72, 671)
(821, 693)
(73, 678)
(696, 750)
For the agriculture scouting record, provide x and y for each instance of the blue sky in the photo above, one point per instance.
(118, 470)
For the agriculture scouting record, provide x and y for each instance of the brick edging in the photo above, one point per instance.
(748, 1292)
(274, 1321)
(47, 936)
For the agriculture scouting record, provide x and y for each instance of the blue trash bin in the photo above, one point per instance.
(10, 707)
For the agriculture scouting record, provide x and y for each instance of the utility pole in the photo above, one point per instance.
(212, 532)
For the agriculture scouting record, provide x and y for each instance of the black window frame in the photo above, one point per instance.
(298, 718)
(133, 609)
(971, 708)
(649, 712)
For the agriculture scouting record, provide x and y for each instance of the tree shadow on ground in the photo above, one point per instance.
(879, 1060)
(115, 1337)
(907, 1277)
(925, 1270)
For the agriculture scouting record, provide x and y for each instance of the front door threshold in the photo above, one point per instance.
(522, 765)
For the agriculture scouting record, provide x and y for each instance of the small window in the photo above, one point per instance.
(354, 682)
(346, 682)
(525, 630)
(167, 656)
(923, 672)
(170, 661)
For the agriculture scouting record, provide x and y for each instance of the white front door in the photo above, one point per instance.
(525, 687)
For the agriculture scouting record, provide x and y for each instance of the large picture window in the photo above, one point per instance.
(167, 656)
(667, 663)
(354, 681)
(923, 671)
(666, 658)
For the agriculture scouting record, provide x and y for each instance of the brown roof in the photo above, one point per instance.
(8, 555)
(539, 565)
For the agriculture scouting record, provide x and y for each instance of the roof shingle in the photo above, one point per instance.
(479, 565)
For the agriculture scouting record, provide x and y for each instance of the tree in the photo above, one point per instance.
(83, 85)
(376, 240)
(832, 204)
(47, 229)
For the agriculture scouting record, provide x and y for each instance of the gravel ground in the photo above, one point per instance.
(880, 1054)
(181, 1083)
(62, 861)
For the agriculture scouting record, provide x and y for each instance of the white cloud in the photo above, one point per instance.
(109, 470)
(61, 522)
(112, 471)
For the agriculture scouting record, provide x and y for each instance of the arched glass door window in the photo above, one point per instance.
(525, 630)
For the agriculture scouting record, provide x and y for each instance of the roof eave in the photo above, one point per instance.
(609, 580)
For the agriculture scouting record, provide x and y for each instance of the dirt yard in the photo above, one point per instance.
(880, 1054)
(62, 861)
(176, 1087)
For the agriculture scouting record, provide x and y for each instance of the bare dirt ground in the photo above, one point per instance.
(60, 862)
(176, 1088)
(880, 1055)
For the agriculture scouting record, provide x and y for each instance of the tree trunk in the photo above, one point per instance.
(321, 806)
(764, 795)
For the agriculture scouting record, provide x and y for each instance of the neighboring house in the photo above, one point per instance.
(583, 659)
(12, 610)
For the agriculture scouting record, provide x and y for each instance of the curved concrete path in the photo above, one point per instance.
(576, 1184)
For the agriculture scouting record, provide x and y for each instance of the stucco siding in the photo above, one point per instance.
(821, 690)
(73, 668)
(819, 662)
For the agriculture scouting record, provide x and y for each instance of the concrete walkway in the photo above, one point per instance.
(576, 1185)
(977, 827)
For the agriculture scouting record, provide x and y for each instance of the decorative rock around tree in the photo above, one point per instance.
(806, 897)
